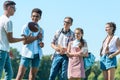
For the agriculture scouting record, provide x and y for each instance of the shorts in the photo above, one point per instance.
(32, 62)
(107, 63)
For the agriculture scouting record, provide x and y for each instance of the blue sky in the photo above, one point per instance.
(91, 15)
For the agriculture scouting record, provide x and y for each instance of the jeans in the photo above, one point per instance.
(59, 65)
(5, 63)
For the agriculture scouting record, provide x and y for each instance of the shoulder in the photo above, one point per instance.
(40, 27)
(71, 42)
(5, 19)
(115, 37)
(25, 25)
(58, 31)
(71, 31)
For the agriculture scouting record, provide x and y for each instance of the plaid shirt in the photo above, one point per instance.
(63, 39)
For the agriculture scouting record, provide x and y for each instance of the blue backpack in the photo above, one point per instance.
(89, 61)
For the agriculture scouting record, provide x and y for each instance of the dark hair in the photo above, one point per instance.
(112, 24)
(8, 3)
(69, 18)
(37, 10)
(82, 41)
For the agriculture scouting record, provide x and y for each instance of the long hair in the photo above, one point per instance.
(82, 41)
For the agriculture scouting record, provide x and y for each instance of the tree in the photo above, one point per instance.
(96, 69)
(15, 61)
(117, 73)
(91, 76)
(100, 77)
(44, 69)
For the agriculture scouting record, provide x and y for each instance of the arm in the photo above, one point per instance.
(27, 35)
(69, 54)
(41, 37)
(8, 28)
(118, 51)
(29, 39)
(83, 52)
(13, 40)
(55, 47)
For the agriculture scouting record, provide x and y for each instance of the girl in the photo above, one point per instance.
(77, 49)
(109, 50)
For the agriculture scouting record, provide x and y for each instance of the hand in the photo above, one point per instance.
(39, 35)
(41, 44)
(63, 51)
(111, 56)
(11, 55)
(68, 54)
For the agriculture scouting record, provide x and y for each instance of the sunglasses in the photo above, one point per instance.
(67, 22)
(35, 16)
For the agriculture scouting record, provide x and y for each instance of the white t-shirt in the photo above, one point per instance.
(5, 27)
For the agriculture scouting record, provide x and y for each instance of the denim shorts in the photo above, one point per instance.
(32, 62)
(107, 63)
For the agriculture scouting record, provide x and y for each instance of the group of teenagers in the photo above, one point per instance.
(70, 48)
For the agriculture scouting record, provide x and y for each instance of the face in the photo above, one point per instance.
(11, 9)
(35, 17)
(67, 23)
(108, 29)
(78, 34)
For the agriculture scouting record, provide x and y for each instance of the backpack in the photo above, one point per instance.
(89, 61)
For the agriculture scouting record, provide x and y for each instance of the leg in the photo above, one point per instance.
(105, 75)
(24, 62)
(71, 79)
(64, 68)
(55, 67)
(78, 79)
(34, 67)
(3, 57)
(8, 68)
(21, 72)
(111, 73)
(32, 73)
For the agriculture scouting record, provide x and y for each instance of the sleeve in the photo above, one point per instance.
(42, 31)
(55, 37)
(42, 34)
(25, 30)
(8, 26)
(72, 36)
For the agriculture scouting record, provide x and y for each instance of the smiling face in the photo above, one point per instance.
(67, 23)
(35, 17)
(78, 34)
(108, 29)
